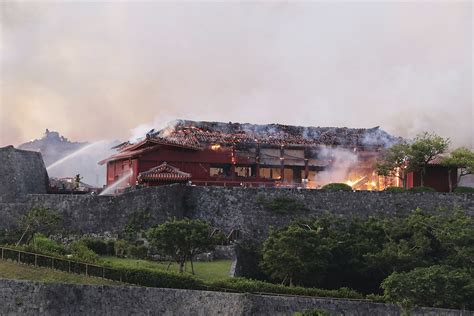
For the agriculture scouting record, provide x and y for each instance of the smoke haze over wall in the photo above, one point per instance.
(101, 70)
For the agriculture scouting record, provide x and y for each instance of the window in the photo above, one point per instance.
(243, 171)
(265, 173)
(214, 172)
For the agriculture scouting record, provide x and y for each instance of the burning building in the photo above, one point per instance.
(233, 154)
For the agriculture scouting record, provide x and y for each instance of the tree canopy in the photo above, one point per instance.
(181, 240)
(39, 220)
(423, 149)
(461, 158)
(415, 155)
(332, 252)
(394, 162)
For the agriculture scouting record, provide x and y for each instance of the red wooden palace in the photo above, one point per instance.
(212, 153)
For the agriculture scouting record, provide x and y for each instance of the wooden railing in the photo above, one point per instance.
(70, 266)
(92, 270)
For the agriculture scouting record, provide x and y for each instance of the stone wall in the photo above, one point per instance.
(21, 172)
(33, 298)
(224, 208)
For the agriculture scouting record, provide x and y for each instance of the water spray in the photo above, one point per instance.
(78, 152)
(123, 178)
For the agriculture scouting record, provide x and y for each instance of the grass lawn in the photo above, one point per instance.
(10, 270)
(206, 271)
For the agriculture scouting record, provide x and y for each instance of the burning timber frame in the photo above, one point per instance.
(249, 155)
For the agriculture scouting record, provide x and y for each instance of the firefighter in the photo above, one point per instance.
(77, 182)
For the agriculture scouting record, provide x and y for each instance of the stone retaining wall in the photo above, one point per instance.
(224, 208)
(33, 298)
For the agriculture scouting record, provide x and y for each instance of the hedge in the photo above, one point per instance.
(255, 286)
(421, 189)
(153, 278)
(463, 190)
(103, 247)
(394, 189)
(337, 187)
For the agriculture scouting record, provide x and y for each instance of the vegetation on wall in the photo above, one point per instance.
(332, 252)
(336, 187)
(281, 204)
(137, 223)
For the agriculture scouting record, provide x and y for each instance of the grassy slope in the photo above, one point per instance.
(10, 270)
(207, 271)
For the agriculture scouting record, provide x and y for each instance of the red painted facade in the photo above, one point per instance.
(215, 153)
(436, 177)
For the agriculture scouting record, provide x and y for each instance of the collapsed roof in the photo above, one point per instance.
(198, 133)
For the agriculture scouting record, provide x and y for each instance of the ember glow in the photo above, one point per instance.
(215, 153)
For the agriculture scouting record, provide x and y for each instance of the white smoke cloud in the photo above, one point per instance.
(95, 70)
(343, 160)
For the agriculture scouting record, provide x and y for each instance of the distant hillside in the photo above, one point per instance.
(52, 146)
(65, 158)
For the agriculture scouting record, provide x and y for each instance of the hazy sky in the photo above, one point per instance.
(98, 70)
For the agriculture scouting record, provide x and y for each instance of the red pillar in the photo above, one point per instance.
(282, 163)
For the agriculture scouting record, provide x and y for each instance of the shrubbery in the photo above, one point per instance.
(120, 248)
(81, 252)
(281, 204)
(394, 189)
(255, 286)
(463, 190)
(42, 244)
(421, 189)
(103, 247)
(155, 278)
(337, 187)
(137, 251)
(437, 286)
(332, 252)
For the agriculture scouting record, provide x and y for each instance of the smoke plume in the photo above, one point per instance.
(96, 70)
(342, 160)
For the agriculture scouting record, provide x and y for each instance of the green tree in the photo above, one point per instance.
(461, 158)
(136, 224)
(393, 162)
(181, 240)
(421, 240)
(437, 286)
(39, 220)
(295, 255)
(423, 149)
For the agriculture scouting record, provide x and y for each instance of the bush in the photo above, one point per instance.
(80, 252)
(463, 190)
(120, 247)
(394, 189)
(421, 189)
(155, 278)
(139, 252)
(437, 286)
(42, 244)
(100, 246)
(337, 187)
(254, 286)
(281, 204)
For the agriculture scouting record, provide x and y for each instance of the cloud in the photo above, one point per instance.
(98, 70)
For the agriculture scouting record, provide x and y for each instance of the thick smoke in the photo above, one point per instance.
(306, 63)
(85, 163)
(342, 161)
